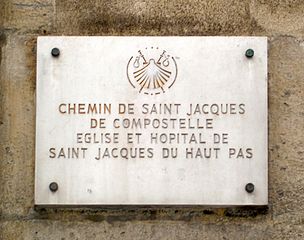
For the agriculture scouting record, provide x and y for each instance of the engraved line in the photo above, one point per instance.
(140, 77)
(141, 69)
(128, 73)
(175, 72)
(143, 80)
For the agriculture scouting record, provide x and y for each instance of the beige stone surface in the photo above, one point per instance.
(281, 21)
(29, 16)
(279, 16)
(154, 17)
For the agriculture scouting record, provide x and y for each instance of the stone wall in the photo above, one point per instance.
(282, 21)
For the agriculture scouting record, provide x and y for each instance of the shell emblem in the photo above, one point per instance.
(152, 71)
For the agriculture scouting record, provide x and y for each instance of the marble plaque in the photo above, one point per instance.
(151, 121)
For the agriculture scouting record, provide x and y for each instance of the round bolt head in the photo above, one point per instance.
(53, 186)
(55, 52)
(249, 53)
(249, 187)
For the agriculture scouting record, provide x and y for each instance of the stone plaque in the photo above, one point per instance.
(151, 121)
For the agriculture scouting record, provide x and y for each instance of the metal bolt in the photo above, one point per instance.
(53, 186)
(55, 52)
(249, 53)
(249, 187)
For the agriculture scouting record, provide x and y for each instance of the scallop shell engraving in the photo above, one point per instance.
(152, 76)
(152, 71)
